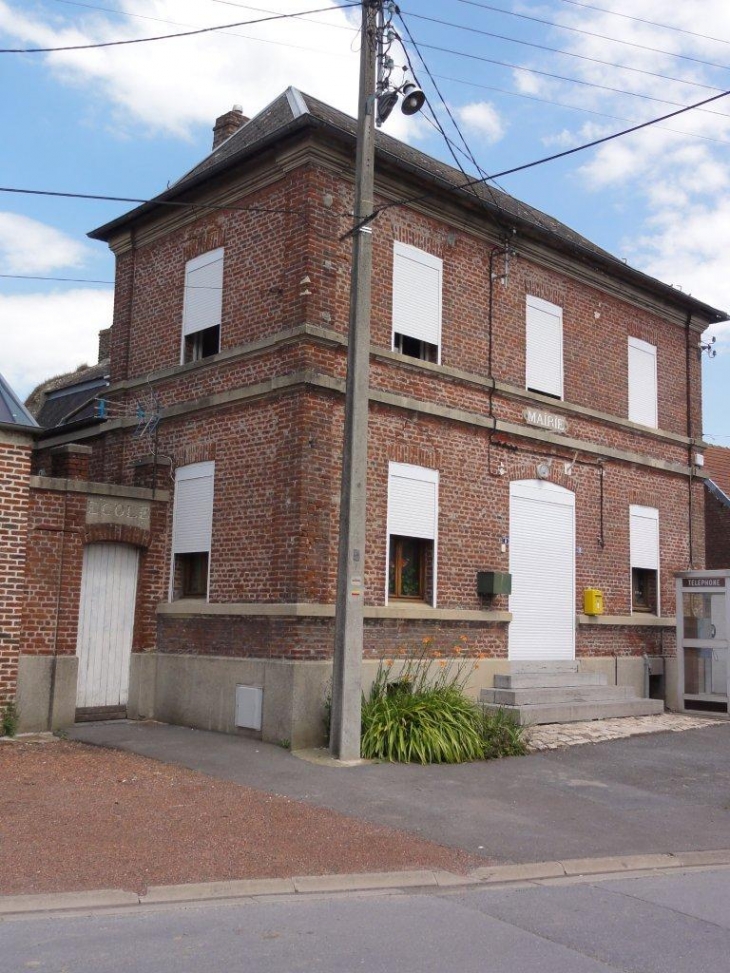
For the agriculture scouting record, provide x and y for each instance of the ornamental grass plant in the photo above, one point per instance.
(423, 715)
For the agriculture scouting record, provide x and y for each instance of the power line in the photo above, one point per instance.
(66, 280)
(249, 37)
(157, 202)
(469, 154)
(163, 37)
(560, 77)
(556, 50)
(537, 162)
(641, 20)
(561, 104)
(603, 37)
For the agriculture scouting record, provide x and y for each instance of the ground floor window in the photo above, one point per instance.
(408, 561)
(644, 590)
(191, 575)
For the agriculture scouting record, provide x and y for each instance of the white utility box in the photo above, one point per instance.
(249, 706)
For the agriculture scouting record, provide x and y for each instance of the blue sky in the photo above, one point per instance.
(124, 121)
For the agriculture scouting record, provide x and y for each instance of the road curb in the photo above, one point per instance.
(486, 876)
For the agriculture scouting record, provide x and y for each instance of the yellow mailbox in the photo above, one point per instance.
(593, 601)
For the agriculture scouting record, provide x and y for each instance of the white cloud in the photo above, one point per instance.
(48, 334)
(482, 118)
(30, 247)
(676, 183)
(172, 85)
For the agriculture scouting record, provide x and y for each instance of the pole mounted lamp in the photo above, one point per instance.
(376, 100)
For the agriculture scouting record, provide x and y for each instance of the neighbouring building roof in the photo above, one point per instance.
(293, 111)
(12, 410)
(69, 399)
(717, 467)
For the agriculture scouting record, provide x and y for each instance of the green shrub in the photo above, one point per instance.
(437, 725)
(502, 735)
(9, 721)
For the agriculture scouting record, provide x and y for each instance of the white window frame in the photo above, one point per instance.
(642, 563)
(406, 252)
(197, 263)
(638, 395)
(534, 358)
(191, 472)
(421, 474)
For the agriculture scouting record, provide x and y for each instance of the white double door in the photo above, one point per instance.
(106, 624)
(542, 564)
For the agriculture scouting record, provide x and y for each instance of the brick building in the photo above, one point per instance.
(717, 507)
(535, 409)
(17, 431)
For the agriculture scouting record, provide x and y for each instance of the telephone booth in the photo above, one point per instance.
(703, 626)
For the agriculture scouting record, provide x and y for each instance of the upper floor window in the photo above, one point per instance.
(544, 347)
(412, 532)
(417, 279)
(192, 527)
(642, 383)
(201, 330)
(644, 555)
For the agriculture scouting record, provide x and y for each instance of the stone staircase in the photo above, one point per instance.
(557, 692)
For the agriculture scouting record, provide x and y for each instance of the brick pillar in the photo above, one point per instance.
(71, 461)
(15, 453)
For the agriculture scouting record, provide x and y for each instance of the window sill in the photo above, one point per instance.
(639, 619)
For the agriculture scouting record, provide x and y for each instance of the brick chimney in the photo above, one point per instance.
(104, 341)
(226, 125)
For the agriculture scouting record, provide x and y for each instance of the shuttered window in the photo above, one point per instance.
(413, 513)
(417, 278)
(193, 510)
(642, 383)
(644, 540)
(544, 347)
(203, 292)
(412, 501)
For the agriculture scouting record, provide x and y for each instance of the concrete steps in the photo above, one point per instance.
(560, 693)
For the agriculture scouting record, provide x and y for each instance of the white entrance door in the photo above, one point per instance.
(106, 624)
(542, 564)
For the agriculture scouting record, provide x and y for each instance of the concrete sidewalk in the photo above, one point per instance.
(664, 793)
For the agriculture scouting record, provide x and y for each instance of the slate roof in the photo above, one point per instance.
(12, 410)
(69, 399)
(294, 111)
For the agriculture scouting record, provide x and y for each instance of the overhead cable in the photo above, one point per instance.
(537, 162)
(164, 37)
(592, 33)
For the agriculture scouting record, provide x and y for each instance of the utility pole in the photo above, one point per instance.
(347, 671)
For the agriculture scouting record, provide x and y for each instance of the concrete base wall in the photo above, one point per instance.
(41, 677)
(200, 691)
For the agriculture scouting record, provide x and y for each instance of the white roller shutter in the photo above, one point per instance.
(193, 511)
(544, 347)
(542, 564)
(412, 501)
(417, 278)
(644, 537)
(203, 292)
(642, 383)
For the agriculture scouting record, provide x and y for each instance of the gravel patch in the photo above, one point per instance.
(74, 818)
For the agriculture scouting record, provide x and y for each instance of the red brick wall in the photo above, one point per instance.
(57, 534)
(278, 456)
(14, 473)
(717, 531)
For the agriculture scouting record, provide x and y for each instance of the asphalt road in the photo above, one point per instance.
(664, 792)
(675, 923)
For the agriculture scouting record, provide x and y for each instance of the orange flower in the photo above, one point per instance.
(480, 655)
(464, 638)
(389, 663)
(428, 640)
(457, 649)
(442, 664)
